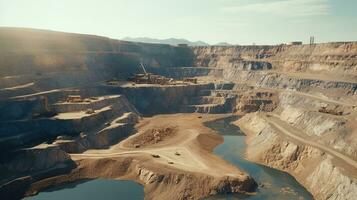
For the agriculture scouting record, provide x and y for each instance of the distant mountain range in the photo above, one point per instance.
(223, 44)
(171, 41)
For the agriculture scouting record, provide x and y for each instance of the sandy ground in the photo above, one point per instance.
(180, 165)
(189, 149)
(79, 114)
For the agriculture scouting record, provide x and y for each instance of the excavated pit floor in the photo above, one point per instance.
(274, 184)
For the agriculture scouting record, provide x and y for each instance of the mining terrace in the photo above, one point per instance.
(77, 107)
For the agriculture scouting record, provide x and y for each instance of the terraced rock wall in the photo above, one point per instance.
(316, 93)
(309, 165)
(35, 60)
(162, 99)
(326, 58)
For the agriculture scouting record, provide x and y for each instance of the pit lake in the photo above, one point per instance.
(94, 190)
(277, 184)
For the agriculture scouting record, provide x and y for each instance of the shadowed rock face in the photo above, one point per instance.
(37, 51)
(57, 60)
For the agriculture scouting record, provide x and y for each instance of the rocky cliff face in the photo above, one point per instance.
(151, 100)
(72, 130)
(314, 106)
(68, 119)
(35, 60)
(299, 91)
(37, 158)
(323, 176)
(37, 51)
(181, 185)
(327, 58)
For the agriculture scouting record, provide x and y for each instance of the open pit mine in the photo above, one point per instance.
(84, 115)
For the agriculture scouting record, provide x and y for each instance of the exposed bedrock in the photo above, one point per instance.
(192, 174)
(181, 185)
(181, 72)
(304, 97)
(112, 121)
(26, 166)
(329, 69)
(21, 109)
(167, 183)
(253, 100)
(326, 58)
(322, 174)
(151, 100)
(311, 93)
(334, 131)
(68, 119)
(111, 133)
(334, 89)
(283, 81)
(31, 64)
(25, 50)
(36, 158)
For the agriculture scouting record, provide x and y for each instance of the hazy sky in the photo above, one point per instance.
(233, 21)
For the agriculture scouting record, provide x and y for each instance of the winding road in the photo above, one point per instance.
(284, 128)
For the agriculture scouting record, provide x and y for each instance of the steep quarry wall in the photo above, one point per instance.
(314, 91)
(181, 72)
(45, 60)
(329, 68)
(326, 58)
(151, 100)
(309, 90)
(36, 158)
(20, 109)
(94, 103)
(319, 172)
(69, 120)
(71, 130)
(26, 166)
(37, 51)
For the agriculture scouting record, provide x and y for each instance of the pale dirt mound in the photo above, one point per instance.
(184, 167)
(152, 136)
